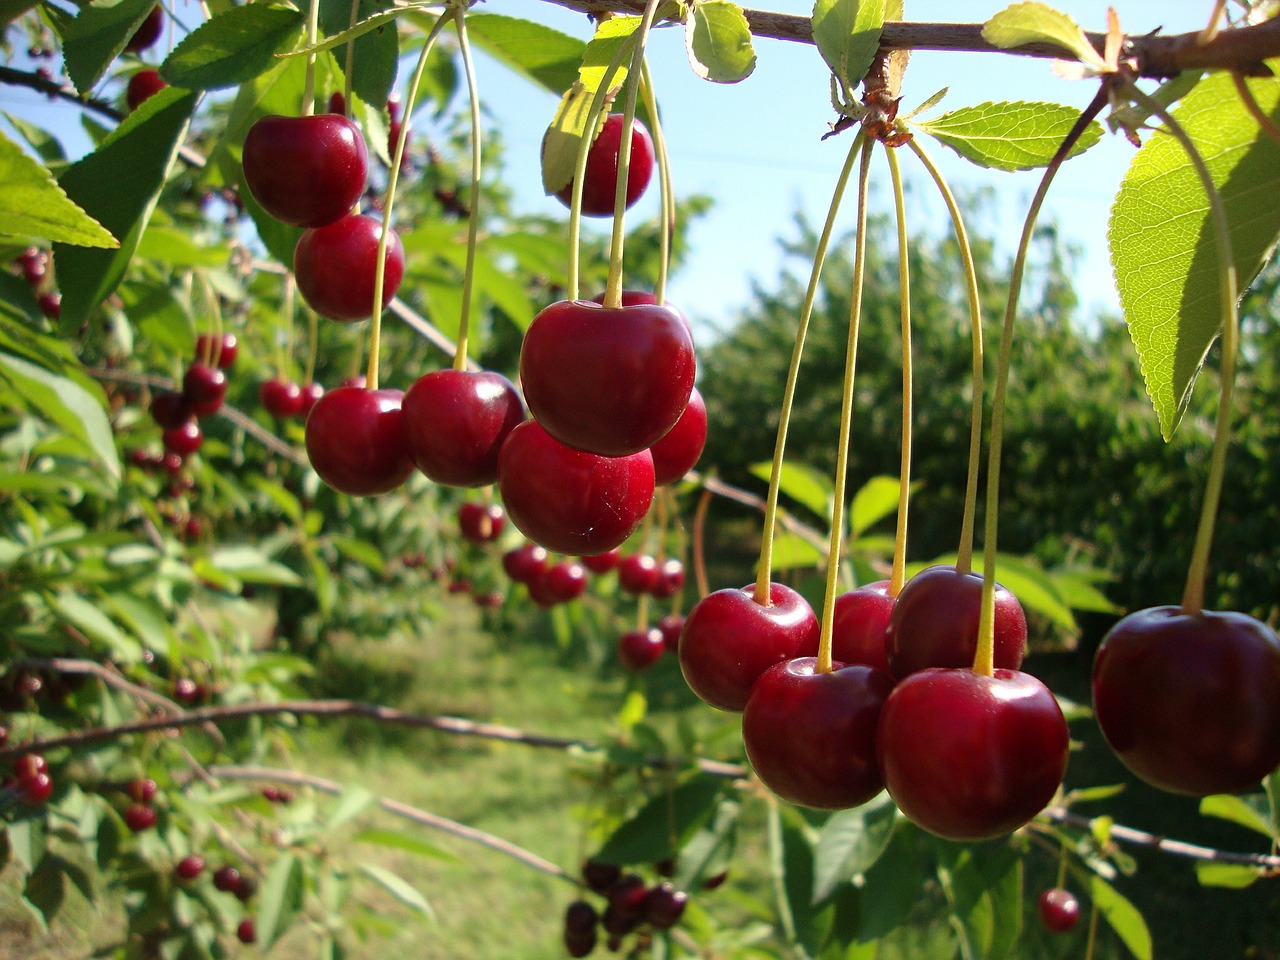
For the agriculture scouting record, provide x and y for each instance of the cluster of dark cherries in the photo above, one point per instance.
(32, 264)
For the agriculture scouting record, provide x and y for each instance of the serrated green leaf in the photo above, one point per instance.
(1232, 876)
(1122, 916)
(376, 54)
(1238, 810)
(717, 39)
(97, 35)
(847, 34)
(662, 825)
(280, 898)
(33, 205)
(233, 47)
(1009, 136)
(45, 144)
(1024, 23)
(546, 56)
(851, 841)
(802, 484)
(1162, 247)
(561, 141)
(398, 887)
(611, 45)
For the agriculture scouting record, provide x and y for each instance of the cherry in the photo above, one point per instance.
(36, 788)
(601, 178)
(568, 500)
(306, 171)
(143, 790)
(603, 562)
(1191, 702)
(337, 102)
(356, 441)
(1059, 910)
(729, 640)
(148, 31)
(281, 398)
(29, 764)
(860, 619)
(524, 563)
(139, 817)
(540, 591)
(183, 440)
(336, 264)
(670, 579)
(934, 623)
(142, 86)
(481, 522)
(186, 690)
(640, 649)
(247, 932)
(664, 905)
(580, 920)
(811, 737)
(188, 868)
(566, 581)
(246, 889)
(610, 381)
(205, 388)
(227, 879)
(456, 421)
(34, 263)
(638, 573)
(971, 757)
(311, 393)
(50, 304)
(676, 453)
(600, 876)
(220, 352)
(671, 625)
(627, 895)
(170, 409)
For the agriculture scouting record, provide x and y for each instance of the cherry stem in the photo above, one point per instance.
(984, 657)
(473, 224)
(1093, 929)
(765, 571)
(282, 355)
(904, 471)
(699, 543)
(1269, 126)
(351, 60)
(313, 35)
(964, 556)
(1198, 572)
(379, 278)
(313, 345)
(827, 628)
(667, 192)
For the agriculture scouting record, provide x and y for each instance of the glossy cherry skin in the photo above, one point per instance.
(570, 501)
(306, 171)
(566, 581)
(184, 440)
(227, 879)
(670, 579)
(860, 618)
(247, 931)
(170, 409)
(148, 31)
(336, 265)
(356, 441)
(971, 757)
(143, 790)
(672, 625)
(1191, 702)
(603, 562)
(934, 623)
(525, 563)
(638, 573)
(729, 640)
(1059, 910)
(205, 388)
(481, 522)
(281, 398)
(140, 817)
(611, 381)
(142, 86)
(600, 183)
(311, 393)
(221, 355)
(677, 452)
(188, 868)
(811, 737)
(36, 788)
(640, 649)
(457, 421)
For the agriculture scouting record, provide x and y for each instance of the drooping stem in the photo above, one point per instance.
(1269, 126)
(984, 657)
(1198, 571)
(904, 470)
(667, 219)
(764, 573)
(964, 555)
(827, 624)
(309, 81)
(473, 224)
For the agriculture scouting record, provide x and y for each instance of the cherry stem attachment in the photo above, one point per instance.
(764, 572)
(984, 657)
(379, 278)
(964, 555)
(1228, 287)
(897, 576)
(667, 219)
(309, 81)
(827, 627)
(473, 222)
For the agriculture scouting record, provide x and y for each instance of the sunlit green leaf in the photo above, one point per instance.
(544, 55)
(1240, 811)
(233, 47)
(32, 204)
(718, 40)
(1123, 917)
(280, 898)
(802, 484)
(847, 34)
(1009, 136)
(407, 842)
(1232, 876)
(97, 35)
(1024, 23)
(397, 886)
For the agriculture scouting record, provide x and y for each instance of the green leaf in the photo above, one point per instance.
(875, 500)
(232, 47)
(118, 184)
(791, 863)
(33, 205)
(1240, 811)
(280, 899)
(1162, 247)
(176, 248)
(802, 484)
(45, 144)
(1123, 917)
(612, 43)
(662, 825)
(790, 550)
(407, 842)
(1009, 136)
(96, 625)
(250, 563)
(718, 40)
(1025, 23)
(97, 35)
(1233, 876)
(545, 56)
(354, 801)
(560, 143)
(851, 841)
(376, 54)
(66, 403)
(847, 34)
(398, 887)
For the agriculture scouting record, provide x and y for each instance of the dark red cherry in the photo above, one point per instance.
(671, 626)
(729, 640)
(638, 573)
(311, 393)
(611, 381)
(570, 501)
(524, 563)
(148, 31)
(142, 790)
(36, 788)
(600, 876)
(640, 649)
(664, 905)
(227, 879)
(1191, 702)
(971, 757)
(860, 619)
(220, 352)
(566, 581)
(603, 562)
(934, 623)
(306, 171)
(281, 398)
(205, 387)
(457, 421)
(1059, 910)
(139, 817)
(183, 440)
(50, 304)
(600, 182)
(481, 522)
(676, 453)
(170, 409)
(247, 931)
(670, 579)
(336, 265)
(356, 441)
(188, 868)
(142, 86)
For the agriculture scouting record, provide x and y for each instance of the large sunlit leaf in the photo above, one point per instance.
(802, 484)
(1009, 136)
(718, 41)
(96, 36)
(233, 47)
(875, 500)
(546, 56)
(33, 205)
(1239, 810)
(607, 56)
(847, 34)
(1163, 251)
(1232, 876)
(1024, 23)
(1122, 916)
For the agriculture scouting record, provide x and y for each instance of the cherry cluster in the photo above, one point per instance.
(141, 814)
(30, 779)
(32, 264)
(632, 906)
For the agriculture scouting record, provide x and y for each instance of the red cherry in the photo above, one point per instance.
(627, 896)
(186, 690)
(671, 626)
(148, 31)
(670, 579)
(170, 409)
(143, 790)
(36, 789)
(566, 581)
(1191, 702)
(971, 757)
(481, 522)
(227, 879)
(857, 630)
(540, 591)
(184, 440)
(811, 737)
(610, 381)
(601, 179)
(524, 563)
(335, 266)
(140, 817)
(247, 932)
(603, 562)
(729, 640)
(640, 649)
(356, 441)
(676, 453)
(638, 573)
(600, 876)
(205, 388)
(142, 86)
(456, 421)
(934, 623)
(1059, 910)
(34, 263)
(568, 500)
(218, 352)
(50, 304)
(281, 398)
(188, 868)
(311, 393)
(306, 171)
(337, 102)
(664, 905)
(29, 764)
